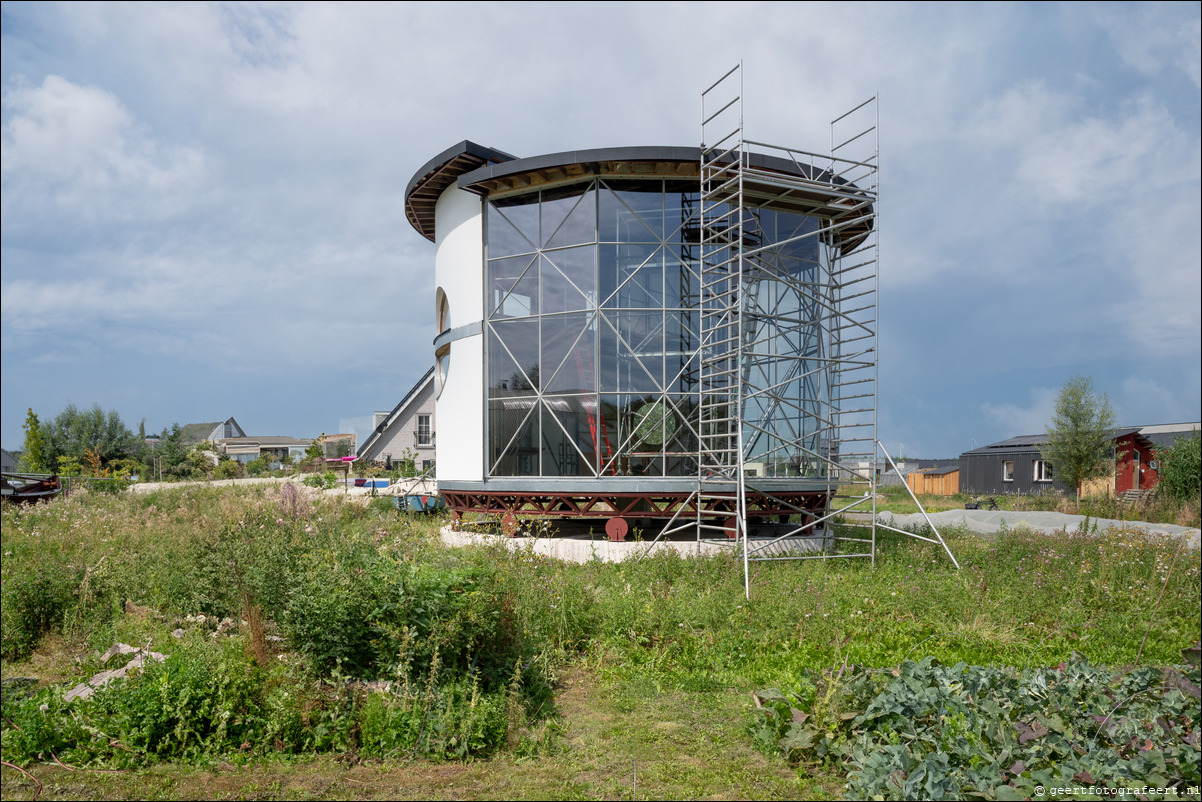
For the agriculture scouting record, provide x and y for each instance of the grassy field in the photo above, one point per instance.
(324, 648)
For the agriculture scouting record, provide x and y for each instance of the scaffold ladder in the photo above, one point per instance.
(721, 231)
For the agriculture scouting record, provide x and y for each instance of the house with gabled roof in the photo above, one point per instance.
(407, 429)
(194, 433)
(231, 441)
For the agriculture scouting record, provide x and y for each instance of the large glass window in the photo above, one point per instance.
(592, 334)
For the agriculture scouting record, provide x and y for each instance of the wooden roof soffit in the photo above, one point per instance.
(572, 173)
(419, 206)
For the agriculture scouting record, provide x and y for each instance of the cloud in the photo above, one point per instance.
(1063, 158)
(76, 149)
(1112, 200)
(1145, 401)
(361, 425)
(1158, 245)
(1017, 420)
(1154, 37)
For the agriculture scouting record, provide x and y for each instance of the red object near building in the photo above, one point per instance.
(1135, 463)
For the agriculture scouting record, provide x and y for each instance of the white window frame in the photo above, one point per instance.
(424, 434)
(1042, 471)
(1007, 470)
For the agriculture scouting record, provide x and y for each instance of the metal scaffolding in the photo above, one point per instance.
(787, 387)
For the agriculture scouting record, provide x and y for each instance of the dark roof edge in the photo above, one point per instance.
(466, 147)
(1034, 441)
(669, 153)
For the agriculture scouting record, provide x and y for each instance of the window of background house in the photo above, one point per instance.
(1042, 471)
(423, 430)
(1008, 470)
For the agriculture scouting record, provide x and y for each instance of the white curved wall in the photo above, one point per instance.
(458, 270)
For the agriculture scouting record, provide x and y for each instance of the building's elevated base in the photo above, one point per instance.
(641, 503)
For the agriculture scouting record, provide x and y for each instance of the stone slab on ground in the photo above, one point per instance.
(583, 549)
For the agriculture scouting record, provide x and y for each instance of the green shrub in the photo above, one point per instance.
(372, 617)
(324, 481)
(36, 598)
(330, 612)
(455, 720)
(228, 469)
(206, 701)
(1181, 469)
(260, 465)
(200, 700)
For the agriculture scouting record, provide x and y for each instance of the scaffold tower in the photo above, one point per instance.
(789, 334)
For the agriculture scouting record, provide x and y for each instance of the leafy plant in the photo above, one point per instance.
(73, 432)
(930, 731)
(228, 469)
(35, 600)
(259, 465)
(1181, 469)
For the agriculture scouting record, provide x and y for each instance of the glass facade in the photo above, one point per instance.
(592, 334)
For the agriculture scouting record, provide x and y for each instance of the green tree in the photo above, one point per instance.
(1181, 468)
(34, 455)
(70, 466)
(314, 450)
(74, 432)
(1080, 441)
(171, 453)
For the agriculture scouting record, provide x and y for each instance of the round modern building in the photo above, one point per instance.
(615, 340)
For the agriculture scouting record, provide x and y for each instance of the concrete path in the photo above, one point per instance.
(991, 521)
(150, 487)
(400, 487)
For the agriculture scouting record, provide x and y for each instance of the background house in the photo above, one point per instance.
(1017, 466)
(338, 446)
(940, 480)
(1011, 466)
(409, 427)
(233, 442)
(194, 433)
(1137, 466)
(248, 449)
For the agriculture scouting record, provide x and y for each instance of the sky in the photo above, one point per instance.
(202, 204)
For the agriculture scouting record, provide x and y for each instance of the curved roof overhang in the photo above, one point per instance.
(432, 179)
(769, 182)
